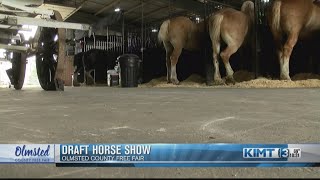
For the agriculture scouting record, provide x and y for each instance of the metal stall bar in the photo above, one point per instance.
(208, 61)
(142, 33)
(123, 51)
(108, 38)
(256, 43)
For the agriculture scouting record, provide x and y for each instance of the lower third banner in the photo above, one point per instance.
(187, 155)
(163, 155)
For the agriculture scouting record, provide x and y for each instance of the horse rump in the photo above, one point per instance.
(164, 31)
(215, 30)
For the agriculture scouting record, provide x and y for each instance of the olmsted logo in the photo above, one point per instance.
(35, 152)
(261, 153)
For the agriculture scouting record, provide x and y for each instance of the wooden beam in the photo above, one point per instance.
(107, 7)
(76, 10)
(83, 18)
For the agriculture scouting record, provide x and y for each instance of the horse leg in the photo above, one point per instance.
(174, 61)
(89, 76)
(286, 54)
(225, 55)
(169, 50)
(75, 76)
(217, 76)
(84, 69)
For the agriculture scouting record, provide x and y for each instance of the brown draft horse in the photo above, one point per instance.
(177, 34)
(232, 27)
(290, 20)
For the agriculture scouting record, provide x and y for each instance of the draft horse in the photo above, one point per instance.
(289, 21)
(91, 60)
(176, 34)
(233, 27)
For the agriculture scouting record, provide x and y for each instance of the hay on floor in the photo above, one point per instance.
(244, 79)
(193, 81)
(242, 76)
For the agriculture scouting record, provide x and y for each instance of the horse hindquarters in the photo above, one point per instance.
(285, 22)
(275, 26)
(215, 35)
(163, 37)
(233, 37)
(174, 39)
(232, 48)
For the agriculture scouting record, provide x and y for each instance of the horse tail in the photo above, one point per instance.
(248, 8)
(164, 31)
(215, 30)
(276, 16)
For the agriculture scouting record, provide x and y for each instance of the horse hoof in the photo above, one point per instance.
(76, 85)
(219, 82)
(175, 82)
(59, 84)
(285, 78)
(230, 81)
(210, 83)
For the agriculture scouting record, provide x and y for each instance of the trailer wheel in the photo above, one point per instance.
(48, 55)
(17, 73)
(45, 61)
(19, 69)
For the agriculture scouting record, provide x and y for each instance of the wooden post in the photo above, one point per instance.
(68, 70)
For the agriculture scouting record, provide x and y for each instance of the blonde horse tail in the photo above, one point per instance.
(248, 8)
(164, 31)
(215, 31)
(276, 16)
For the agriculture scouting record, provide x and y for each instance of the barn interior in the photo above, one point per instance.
(253, 111)
(131, 27)
(140, 21)
(123, 27)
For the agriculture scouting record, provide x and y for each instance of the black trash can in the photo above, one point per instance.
(130, 65)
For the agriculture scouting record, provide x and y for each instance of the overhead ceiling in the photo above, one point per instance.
(150, 12)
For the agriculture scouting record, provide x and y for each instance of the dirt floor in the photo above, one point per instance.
(159, 115)
(244, 79)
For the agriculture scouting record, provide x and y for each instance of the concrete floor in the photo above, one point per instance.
(176, 115)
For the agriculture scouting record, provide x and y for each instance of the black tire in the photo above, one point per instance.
(45, 62)
(19, 69)
(47, 57)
